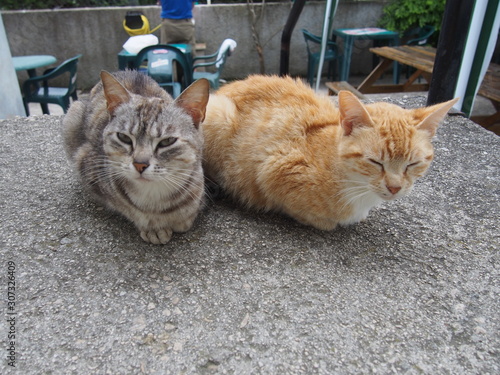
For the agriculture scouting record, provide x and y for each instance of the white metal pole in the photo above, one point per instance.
(324, 37)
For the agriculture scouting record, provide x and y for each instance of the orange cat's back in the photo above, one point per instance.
(265, 125)
(268, 95)
(273, 144)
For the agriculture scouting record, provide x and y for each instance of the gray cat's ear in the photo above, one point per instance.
(433, 115)
(352, 112)
(114, 92)
(194, 100)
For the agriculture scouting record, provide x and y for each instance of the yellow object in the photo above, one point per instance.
(140, 31)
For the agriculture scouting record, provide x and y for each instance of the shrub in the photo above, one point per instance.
(403, 15)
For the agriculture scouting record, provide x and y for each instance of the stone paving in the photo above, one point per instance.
(414, 289)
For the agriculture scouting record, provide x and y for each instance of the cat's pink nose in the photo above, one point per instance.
(141, 167)
(394, 189)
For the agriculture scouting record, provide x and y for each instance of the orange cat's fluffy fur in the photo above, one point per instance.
(273, 144)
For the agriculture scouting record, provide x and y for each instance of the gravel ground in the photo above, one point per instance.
(414, 289)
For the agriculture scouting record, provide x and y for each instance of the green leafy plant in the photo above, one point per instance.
(403, 15)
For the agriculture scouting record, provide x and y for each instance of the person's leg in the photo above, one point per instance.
(178, 31)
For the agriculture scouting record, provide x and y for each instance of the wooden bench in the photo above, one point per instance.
(335, 87)
(490, 88)
(200, 47)
(419, 57)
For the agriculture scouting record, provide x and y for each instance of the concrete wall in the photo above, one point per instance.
(98, 34)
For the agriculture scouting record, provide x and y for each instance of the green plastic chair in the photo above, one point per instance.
(218, 60)
(37, 89)
(418, 36)
(167, 65)
(313, 44)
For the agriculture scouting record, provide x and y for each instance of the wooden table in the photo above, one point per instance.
(490, 88)
(419, 57)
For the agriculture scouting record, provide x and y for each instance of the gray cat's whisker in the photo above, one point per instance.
(180, 184)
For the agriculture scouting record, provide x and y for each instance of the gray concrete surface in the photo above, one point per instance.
(412, 290)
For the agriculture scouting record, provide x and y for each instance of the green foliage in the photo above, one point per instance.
(403, 15)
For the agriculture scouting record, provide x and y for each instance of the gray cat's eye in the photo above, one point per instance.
(124, 138)
(167, 142)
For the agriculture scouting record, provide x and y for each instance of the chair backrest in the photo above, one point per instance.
(419, 35)
(214, 62)
(225, 49)
(69, 66)
(310, 38)
(163, 64)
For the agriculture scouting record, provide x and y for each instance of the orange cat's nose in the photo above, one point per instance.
(394, 189)
(141, 167)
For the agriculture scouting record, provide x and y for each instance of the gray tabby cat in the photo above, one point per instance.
(138, 151)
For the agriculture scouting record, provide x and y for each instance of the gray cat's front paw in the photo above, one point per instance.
(182, 227)
(158, 237)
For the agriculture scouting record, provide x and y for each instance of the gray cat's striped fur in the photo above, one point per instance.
(138, 151)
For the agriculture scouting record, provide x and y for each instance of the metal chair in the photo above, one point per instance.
(37, 89)
(218, 60)
(313, 55)
(167, 65)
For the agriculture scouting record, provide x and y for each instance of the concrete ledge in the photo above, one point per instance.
(414, 289)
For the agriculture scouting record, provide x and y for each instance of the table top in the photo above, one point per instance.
(364, 32)
(185, 48)
(420, 57)
(32, 61)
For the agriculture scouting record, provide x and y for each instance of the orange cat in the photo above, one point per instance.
(273, 144)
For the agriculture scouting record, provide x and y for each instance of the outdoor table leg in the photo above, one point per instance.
(31, 73)
(44, 106)
(374, 75)
(346, 61)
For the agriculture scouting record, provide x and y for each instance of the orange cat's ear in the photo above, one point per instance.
(114, 92)
(194, 100)
(433, 115)
(352, 112)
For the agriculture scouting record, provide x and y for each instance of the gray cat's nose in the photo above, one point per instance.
(141, 167)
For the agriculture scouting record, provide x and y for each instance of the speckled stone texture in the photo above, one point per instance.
(414, 289)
